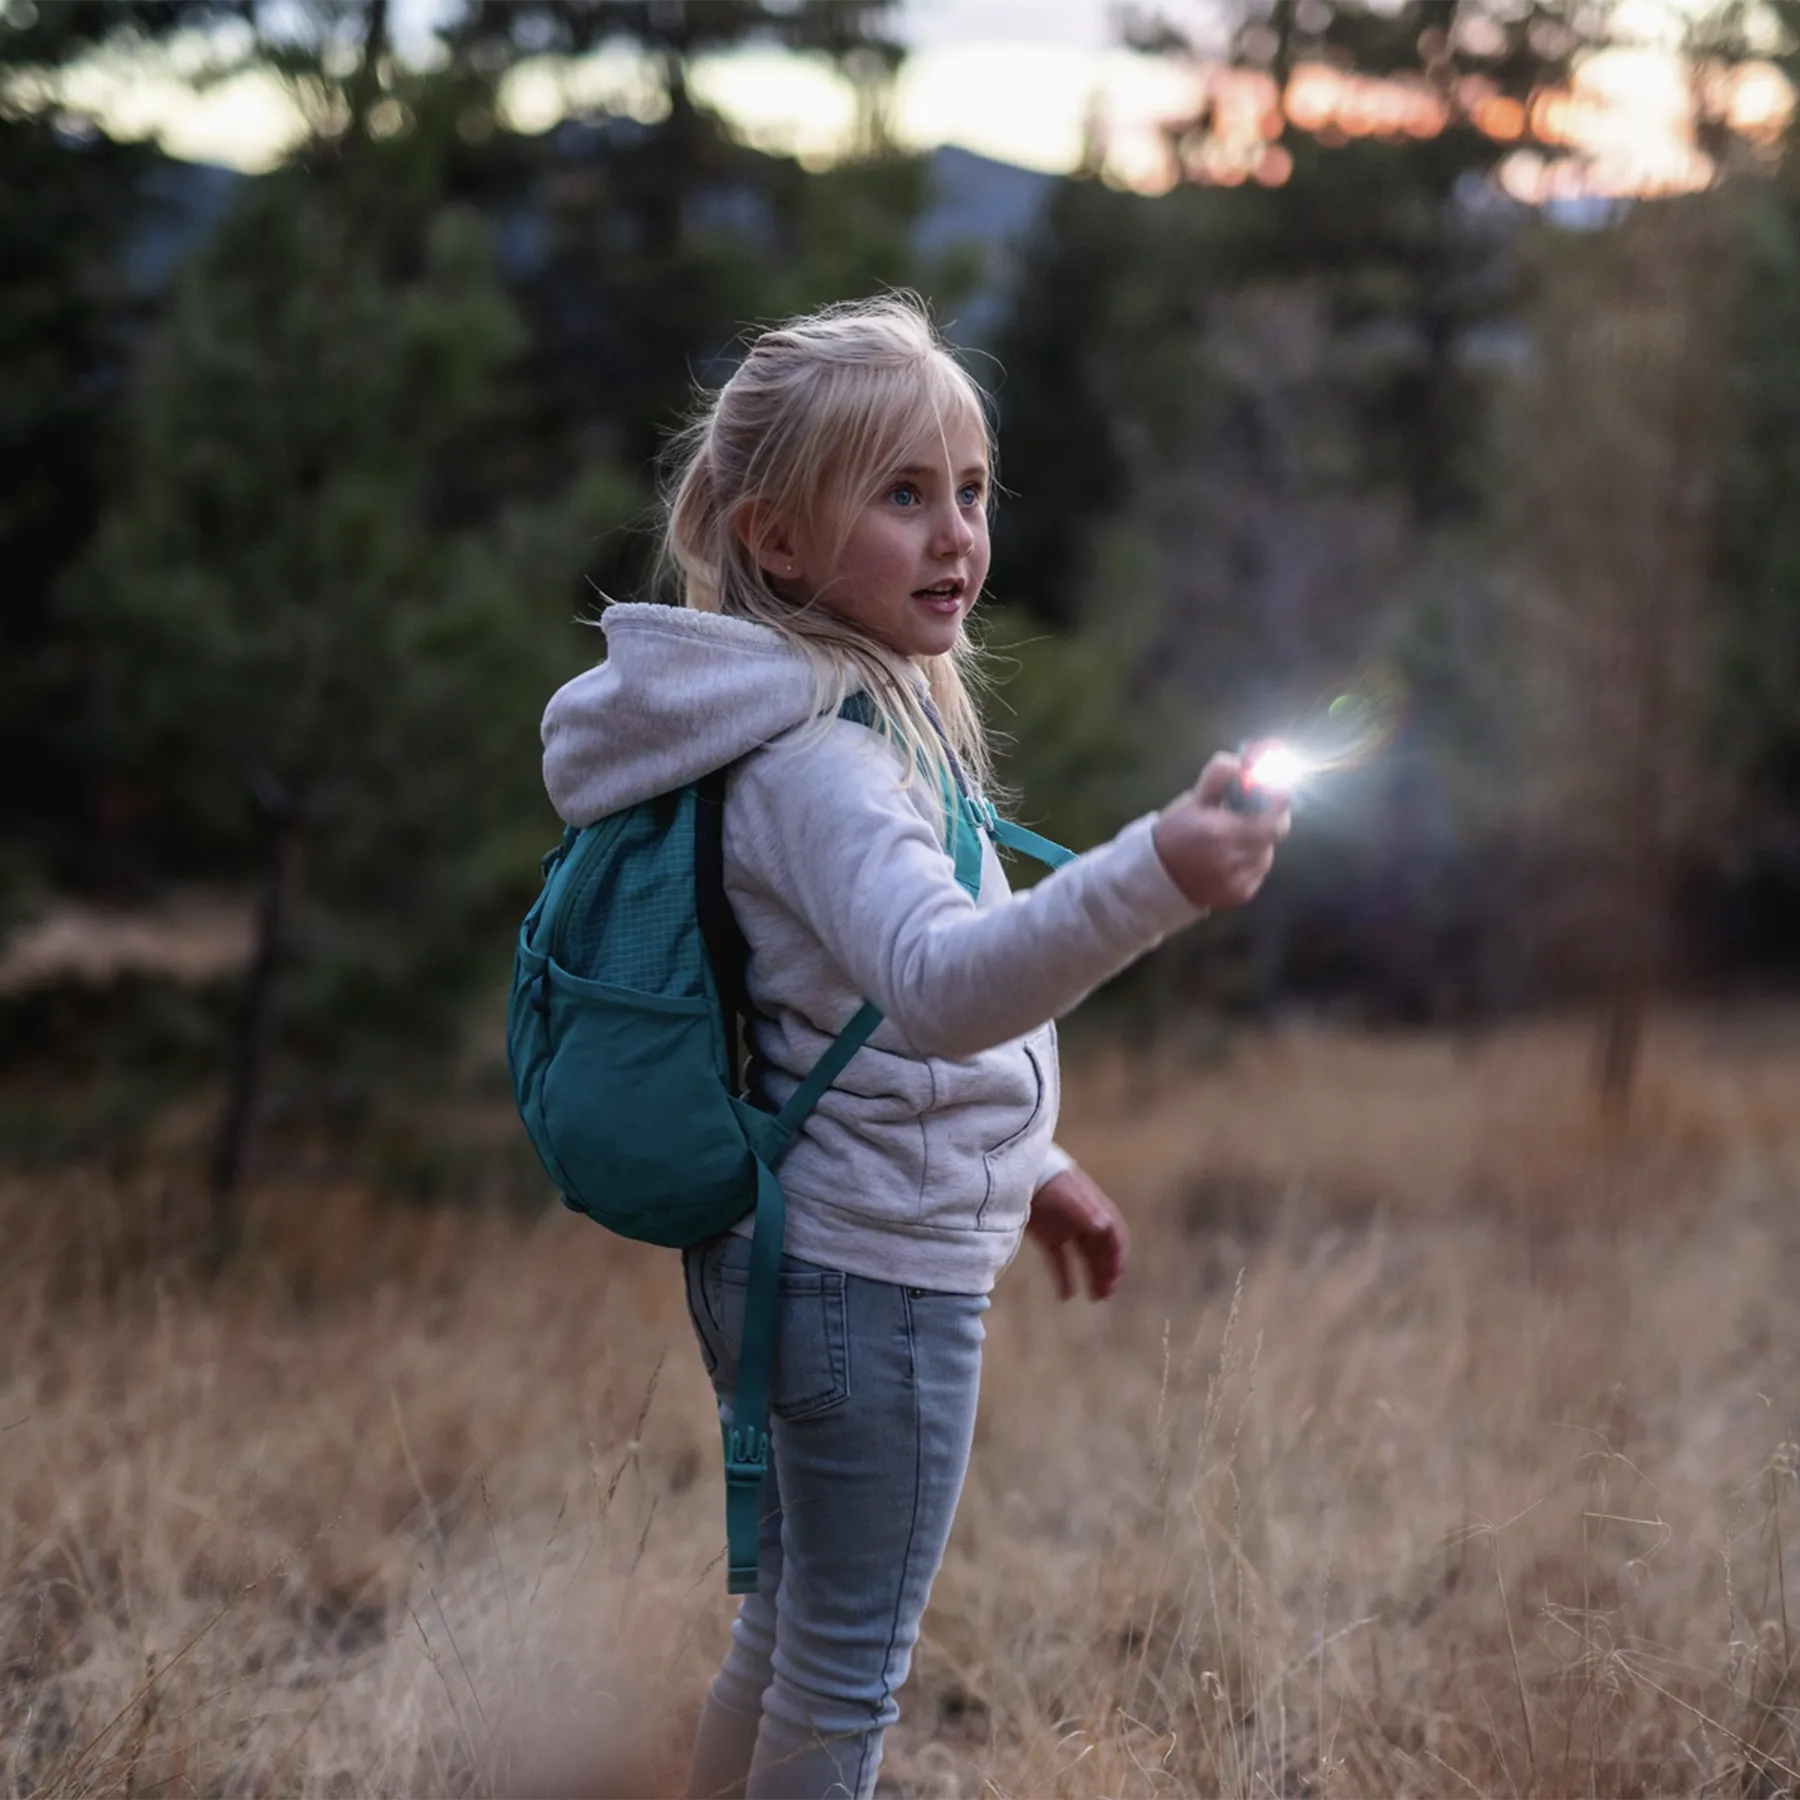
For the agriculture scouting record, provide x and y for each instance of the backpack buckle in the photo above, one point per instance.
(746, 1456)
(981, 812)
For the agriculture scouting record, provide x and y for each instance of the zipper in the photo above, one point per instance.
(572, 876)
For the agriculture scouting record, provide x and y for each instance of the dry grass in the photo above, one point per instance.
(194, 936)
(1437, 1444)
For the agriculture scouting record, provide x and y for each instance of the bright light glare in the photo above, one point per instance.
(1278, 767)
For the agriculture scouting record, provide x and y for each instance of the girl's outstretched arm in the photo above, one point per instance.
(819, 821)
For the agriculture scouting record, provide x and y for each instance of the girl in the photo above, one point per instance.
(827, 531)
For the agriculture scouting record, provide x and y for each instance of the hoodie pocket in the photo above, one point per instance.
(1002, 1159)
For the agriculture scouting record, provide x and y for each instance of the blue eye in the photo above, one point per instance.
(969, 494)
(904, 495)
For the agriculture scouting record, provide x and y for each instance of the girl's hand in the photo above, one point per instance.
(1068, 1211)
(1216, 856)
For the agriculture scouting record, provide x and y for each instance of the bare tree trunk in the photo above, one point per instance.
(1668, 568)
(365, 84)
(256, 1026)
(1281, 65)
(1624, 419)
(1619, 1046)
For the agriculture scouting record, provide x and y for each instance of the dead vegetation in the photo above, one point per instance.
(1441, 1441)
(193, 936)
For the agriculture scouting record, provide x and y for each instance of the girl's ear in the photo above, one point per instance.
(767, 539)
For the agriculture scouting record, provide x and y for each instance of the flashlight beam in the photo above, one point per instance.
(1279, 768)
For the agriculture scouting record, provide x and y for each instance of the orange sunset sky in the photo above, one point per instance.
(1033, 82)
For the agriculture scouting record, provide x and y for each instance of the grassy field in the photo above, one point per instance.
(1439, 1442)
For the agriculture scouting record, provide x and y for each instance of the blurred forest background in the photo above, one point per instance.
(1445, 1435)
(313, 480)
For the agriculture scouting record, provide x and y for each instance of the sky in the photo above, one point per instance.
(1014, 79)
(1019, 80)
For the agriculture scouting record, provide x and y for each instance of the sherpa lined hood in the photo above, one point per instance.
(680, 693)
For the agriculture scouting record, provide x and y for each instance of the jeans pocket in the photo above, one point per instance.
(812, 1355)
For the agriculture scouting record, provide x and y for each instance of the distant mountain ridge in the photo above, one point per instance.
(978, 202)
(994, 205)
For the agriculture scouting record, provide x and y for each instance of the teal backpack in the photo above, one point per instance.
(622, 1038)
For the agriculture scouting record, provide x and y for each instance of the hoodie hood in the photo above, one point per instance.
(680, 693)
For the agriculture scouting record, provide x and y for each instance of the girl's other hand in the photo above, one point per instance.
(1218, 857)
(1071, 1212)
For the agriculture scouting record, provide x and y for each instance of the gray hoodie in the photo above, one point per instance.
(919, 1164)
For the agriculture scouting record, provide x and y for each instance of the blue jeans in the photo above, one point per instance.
(872, 1412)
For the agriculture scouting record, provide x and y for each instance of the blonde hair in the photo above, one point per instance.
(819, 412)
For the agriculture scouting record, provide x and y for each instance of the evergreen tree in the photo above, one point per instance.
(1458, 53)
(66, 313)
(1242, 380)
(1061, 455)
(1616, 439)
(72, 204)
(641, 248)
(1757, 718)
(297, 658)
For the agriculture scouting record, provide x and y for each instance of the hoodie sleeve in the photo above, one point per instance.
(821, 821)
(1057, 1161)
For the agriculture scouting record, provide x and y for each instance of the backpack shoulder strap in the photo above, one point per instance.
(1028, 843)
(747, 1436)
(962, 840)
(967, 815)
(726, 949)
(859, 709)
(729, 954)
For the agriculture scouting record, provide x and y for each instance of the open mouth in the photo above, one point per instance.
(943, 596)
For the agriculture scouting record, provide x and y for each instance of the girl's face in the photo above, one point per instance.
(917, 551)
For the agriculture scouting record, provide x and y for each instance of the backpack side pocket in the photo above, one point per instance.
(636, 1111)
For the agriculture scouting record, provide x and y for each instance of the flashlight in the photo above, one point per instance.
(1271, 771)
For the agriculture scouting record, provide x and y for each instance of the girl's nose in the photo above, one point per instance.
(956, 536)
